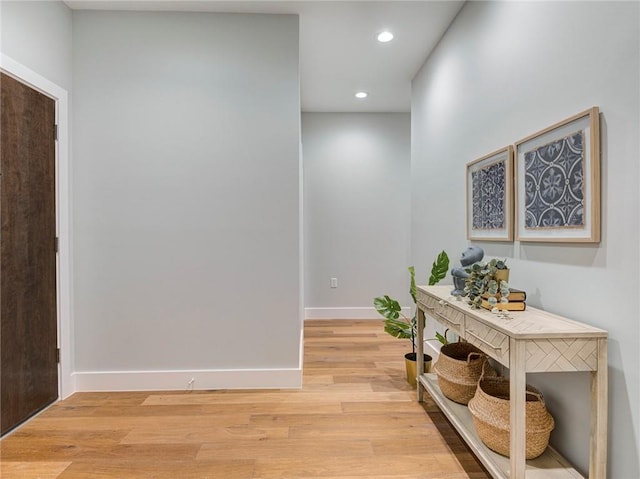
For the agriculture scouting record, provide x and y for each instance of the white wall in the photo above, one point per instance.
(38, 35)
(505, 70)
(356, 209)
(186, 193)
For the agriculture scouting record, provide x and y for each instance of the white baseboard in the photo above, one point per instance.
(182, 380)
(345, 313)
(431, 350)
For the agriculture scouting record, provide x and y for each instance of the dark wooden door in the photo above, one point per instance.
(28, 318)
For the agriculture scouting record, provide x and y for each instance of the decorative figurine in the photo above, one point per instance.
(471, 255)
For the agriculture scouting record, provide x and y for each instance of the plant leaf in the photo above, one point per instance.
(441, 338)
(387, 307)
(397, 328)
(412, 288)
(439, 268)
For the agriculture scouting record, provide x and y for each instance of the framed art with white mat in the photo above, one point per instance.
(490, 197)
(557, 182)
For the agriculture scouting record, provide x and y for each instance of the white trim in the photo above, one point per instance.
(431, 350)
(346, 313)
(181, 380)
(301, 312)
(63, 216)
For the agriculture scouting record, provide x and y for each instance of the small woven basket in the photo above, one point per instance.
(490, 410)
(458, 369)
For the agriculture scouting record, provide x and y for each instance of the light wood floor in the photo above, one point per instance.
(356, 417)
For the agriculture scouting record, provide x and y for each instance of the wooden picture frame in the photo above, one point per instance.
(490, 197)
(558, 182)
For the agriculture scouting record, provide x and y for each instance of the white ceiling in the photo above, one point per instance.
(339, 54)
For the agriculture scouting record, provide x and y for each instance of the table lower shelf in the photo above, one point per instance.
(548, 466)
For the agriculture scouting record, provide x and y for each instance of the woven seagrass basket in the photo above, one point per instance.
(458, 369)
(490, 410)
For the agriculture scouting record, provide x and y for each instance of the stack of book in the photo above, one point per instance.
(517, 301)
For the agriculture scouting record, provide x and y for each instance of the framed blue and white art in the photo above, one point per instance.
(558, 182)
(490, 197)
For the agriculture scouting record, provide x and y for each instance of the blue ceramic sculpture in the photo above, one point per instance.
(471, 255)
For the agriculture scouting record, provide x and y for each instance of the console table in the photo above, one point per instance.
(530, 341)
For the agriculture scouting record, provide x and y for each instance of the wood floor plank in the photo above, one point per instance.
(355, 418)
(336, 363)
(129, 422)
(382, 407)
(68, 411)
(304, 397)
(344, 433)
(126, 469)
(453, 475)
(318, 379)
(101, 452)
(190, 435)
(370, 379)
(340, 347)
(338, 387)
(213, 409)
(431, 443)
(103, 399)
(355, 371)
(431, 466)
(284, 448)
(386, 420)
(31, 470)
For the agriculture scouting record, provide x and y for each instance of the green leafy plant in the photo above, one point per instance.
(482, 282)
(397, 324)
(439, 270)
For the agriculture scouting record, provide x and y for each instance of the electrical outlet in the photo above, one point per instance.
(334, 282)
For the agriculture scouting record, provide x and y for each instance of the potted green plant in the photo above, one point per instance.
(399, 326)
(485, 281)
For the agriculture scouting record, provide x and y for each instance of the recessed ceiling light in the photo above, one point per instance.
(362, 94)
(384, 37)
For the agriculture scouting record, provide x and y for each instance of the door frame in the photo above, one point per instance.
(66, 383)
